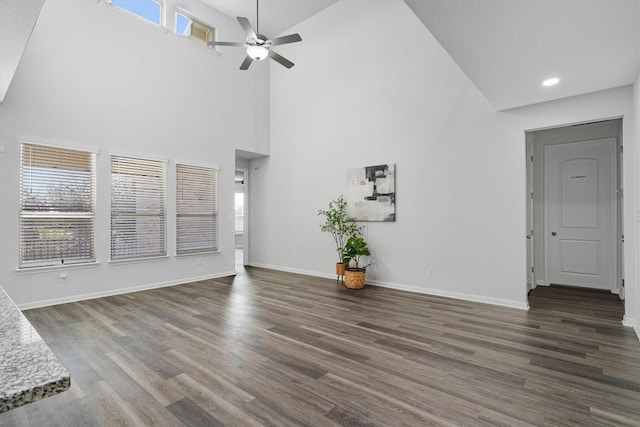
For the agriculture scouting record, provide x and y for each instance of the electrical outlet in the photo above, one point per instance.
(63, 277)
(431, 271)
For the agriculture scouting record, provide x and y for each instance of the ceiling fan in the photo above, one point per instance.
(258, 46)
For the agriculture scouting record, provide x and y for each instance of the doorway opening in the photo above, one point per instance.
(241, 219)
(574, 207)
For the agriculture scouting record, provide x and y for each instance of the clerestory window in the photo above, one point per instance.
(194, 29)
(150, 10)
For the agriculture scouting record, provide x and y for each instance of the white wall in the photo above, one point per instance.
(358, 97)
(632, 316)
(94, 75)
(16, 23)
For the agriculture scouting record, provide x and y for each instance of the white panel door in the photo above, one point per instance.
(580, 214)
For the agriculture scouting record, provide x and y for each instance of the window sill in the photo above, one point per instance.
(44, 269)
(197, 254)
(138, 260)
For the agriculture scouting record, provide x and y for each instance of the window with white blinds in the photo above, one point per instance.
(196, 209)
(57, 206)
(138, 208)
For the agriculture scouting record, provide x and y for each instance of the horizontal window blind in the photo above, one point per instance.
(57, 206)
(196, 209)
(138, 210)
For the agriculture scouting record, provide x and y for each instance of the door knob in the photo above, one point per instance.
(553, 233)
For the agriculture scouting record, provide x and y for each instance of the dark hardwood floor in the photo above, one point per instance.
(271, 348)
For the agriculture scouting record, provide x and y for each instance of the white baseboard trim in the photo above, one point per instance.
(455, 295)
(112, 292)
(294, 270)
(633, 323)
(409, 288)
(619, 291)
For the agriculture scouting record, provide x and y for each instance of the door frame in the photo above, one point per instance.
(531, 279)
(245, 219)
(535, 215)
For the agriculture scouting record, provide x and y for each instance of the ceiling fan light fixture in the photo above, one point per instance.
(257, 52)
(258, 46)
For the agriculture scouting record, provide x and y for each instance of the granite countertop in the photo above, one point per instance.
(29, 371)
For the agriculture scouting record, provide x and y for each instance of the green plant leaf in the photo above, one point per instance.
(339, 224)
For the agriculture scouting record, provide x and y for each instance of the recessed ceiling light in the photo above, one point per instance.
(551, 81)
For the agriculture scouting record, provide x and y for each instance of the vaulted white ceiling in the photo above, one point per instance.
(506, 47)
(276, 16)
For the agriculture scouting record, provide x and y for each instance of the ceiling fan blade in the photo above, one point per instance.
(246, 63)
(291, 38)
(216, 43)
(280, 59)
(246, 26)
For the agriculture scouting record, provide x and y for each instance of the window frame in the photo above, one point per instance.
(196, 21)
(161, 191)
(236, 216)
(61, 212)
(215, 248)
(161, 18)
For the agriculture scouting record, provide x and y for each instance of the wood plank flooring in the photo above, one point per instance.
(272, 348)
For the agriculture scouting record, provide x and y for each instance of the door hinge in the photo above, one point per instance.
(621, 149)
(532, 195)
(531, 158)
(621, 193)
(623, 283)
(622, 238)
(532, 269)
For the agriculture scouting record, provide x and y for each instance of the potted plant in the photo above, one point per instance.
(355, 274)
(340, 226)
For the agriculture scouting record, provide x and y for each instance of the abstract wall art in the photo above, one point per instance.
(371, 193)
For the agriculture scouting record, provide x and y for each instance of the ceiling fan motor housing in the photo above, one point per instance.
(259, 46)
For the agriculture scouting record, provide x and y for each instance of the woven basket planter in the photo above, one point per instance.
(354, 278)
